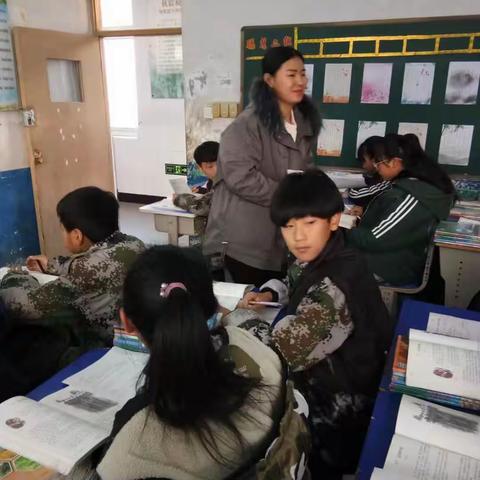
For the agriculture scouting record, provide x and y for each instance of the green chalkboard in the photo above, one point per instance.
(438, 42)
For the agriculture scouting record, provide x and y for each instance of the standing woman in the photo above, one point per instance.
(277, 132)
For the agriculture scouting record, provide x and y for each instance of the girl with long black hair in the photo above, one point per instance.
(398, 224)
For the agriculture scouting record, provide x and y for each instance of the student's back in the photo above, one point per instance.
(212, 401)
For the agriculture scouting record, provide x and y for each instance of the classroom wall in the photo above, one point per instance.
(211, 41)
(18, 228)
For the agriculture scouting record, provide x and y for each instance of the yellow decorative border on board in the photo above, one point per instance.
(378, 39)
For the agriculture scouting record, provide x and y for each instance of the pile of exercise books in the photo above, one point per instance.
(441, 364)
(465, 232)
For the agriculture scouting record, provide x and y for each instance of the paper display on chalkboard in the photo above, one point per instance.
(455, 144)
(462, 83)
(368, 129)
(8, 81)
(336, 88)
(418, 83)
(330, 139)
(309, 69)
(418, 129)
(376, 82)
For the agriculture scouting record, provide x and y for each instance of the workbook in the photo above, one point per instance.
(16, 467)
(443, 363)
(42, 278)
(432, 442)
(229, 294)
(67, 425)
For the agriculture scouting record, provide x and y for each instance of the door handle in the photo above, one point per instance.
(38, 157)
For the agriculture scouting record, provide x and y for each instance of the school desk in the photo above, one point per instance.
(174, 221)
(413, 314)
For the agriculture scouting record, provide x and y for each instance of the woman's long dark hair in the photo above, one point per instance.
(416, 162)
(265, 101)
(187, 382)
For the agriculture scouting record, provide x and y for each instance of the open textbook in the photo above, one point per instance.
(41, 277)
(229, 294)
(443, 363)
(65, 426)
(16, 467)
(432, 442)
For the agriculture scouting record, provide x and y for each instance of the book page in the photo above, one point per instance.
(384, 474)
(15, 467)
(453, 326)
(42, 278)
(439, 426)
(417, 460)
(115, 375)
(447, 368)
(50, 437)
(179, 185)
(229, 294)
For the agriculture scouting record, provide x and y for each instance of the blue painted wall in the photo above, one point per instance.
(18, 224)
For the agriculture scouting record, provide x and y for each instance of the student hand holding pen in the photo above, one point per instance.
(256, 300)
(37, 263)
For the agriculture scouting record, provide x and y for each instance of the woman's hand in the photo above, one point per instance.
(37, 263)
(246, 301)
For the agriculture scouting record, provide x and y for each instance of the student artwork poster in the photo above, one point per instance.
(336, 87)
(418, 129)
(330, 140)
(462, 83)
(368, 129)
(376, 83)
(455, 145)
(418, 83)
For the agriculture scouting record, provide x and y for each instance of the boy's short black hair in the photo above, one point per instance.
(206, 152)
(90, 209)
(299, 195)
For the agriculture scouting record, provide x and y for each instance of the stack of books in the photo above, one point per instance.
(465, 233)
(128, 341)
(398, 383)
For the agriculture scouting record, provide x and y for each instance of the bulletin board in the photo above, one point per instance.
(419, 76)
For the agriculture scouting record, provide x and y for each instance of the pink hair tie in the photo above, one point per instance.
(166, 288)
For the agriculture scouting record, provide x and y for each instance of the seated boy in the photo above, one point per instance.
(205, 156)
(336, 329)
(90, 280)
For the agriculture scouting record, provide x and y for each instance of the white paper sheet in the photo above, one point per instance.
(179, 185)
(455, 144)
(453, 326)
(229, 294)
(330, 140)
(410, 459)
(419, 129)
(309, 72)
(376, 82)
(462, 83)
(418, 83)
(439, 426)
(336, 87)
(42, 278)
(367, 129)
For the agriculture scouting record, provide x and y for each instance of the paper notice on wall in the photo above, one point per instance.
(330, 140)
(8, 81)
(418, 83)
(368, 129)
(462, 83)
(224, 80)
(309, 70)
(196, 84)
(336, 88)
(418, 129)
(455, 145)
(165, 13)
(166, 66)
(376, 82)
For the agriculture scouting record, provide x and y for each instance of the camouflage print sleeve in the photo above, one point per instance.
(26, 299)
(58, 265)
(198, 205)
(319, 327)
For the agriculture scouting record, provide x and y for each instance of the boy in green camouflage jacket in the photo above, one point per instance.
(336, 328)
(90, 280)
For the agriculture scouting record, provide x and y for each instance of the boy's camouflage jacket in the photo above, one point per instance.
(90, 282)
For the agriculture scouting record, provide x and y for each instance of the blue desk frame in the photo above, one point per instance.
(384, 417)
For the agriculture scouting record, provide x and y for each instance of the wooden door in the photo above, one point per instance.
(69, 141)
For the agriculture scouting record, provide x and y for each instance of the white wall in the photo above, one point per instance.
(211, 37)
